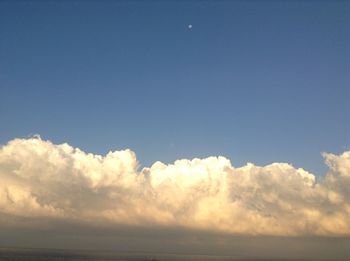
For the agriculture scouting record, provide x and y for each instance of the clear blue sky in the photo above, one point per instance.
(257, 81)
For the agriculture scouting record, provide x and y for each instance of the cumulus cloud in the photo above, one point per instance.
(40, 180)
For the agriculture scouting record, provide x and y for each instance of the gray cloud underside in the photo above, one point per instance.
(42, 183)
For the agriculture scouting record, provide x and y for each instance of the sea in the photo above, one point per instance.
(24, 254)
(21, 254)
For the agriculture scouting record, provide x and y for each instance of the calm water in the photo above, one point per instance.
(40, 255)
(14, 254)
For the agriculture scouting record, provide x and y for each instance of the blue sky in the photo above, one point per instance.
(253, 81)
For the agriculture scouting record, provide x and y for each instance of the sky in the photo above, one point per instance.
(225, 120)
(255, 82)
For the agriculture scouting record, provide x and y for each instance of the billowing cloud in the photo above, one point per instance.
(43, 181)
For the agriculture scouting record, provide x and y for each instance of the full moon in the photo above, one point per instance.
(189, 26)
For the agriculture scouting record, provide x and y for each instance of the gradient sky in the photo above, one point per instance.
(253, 81)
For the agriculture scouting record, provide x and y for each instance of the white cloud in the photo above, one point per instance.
(39, 179)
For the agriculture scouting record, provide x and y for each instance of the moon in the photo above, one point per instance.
(189, 26)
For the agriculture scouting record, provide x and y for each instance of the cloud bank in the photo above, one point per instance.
(40, 180)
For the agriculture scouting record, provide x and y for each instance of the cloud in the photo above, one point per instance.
(40, 181)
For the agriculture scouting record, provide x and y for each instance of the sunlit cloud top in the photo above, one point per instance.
(39, 179)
